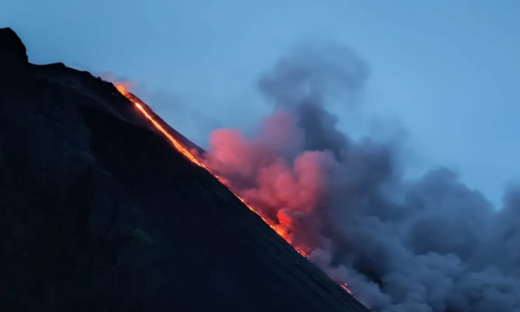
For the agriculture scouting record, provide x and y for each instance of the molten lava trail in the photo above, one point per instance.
(183, 150)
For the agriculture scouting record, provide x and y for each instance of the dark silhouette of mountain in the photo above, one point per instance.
(99, 213)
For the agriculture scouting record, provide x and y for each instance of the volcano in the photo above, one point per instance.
(98, 212)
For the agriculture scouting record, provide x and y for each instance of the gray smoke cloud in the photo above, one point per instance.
(430, 244)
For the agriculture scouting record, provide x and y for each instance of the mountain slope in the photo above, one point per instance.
(99, 213)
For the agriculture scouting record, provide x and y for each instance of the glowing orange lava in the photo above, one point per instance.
(183, 150)
(344, 286)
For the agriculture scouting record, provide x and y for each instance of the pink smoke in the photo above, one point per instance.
(271, 171)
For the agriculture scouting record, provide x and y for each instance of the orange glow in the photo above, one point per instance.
(301, 252)
(344, 286)
(183, 150)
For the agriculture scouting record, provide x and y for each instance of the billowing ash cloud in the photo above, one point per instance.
(406, 246)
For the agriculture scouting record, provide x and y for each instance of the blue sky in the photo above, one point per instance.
(448, 71)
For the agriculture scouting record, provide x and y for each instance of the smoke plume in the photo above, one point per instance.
(427, 245)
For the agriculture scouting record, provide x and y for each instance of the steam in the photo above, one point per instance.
(427, 245)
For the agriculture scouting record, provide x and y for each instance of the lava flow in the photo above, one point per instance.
(121, 88)
(182, 149)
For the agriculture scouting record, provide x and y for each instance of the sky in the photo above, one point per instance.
(446, 71)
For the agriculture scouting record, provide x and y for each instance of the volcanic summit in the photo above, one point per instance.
(100, 212)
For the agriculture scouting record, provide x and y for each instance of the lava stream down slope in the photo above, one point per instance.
(140, 106)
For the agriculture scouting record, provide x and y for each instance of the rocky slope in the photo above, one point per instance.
(99, 213)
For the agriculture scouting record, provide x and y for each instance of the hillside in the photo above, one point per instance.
(99, 213)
